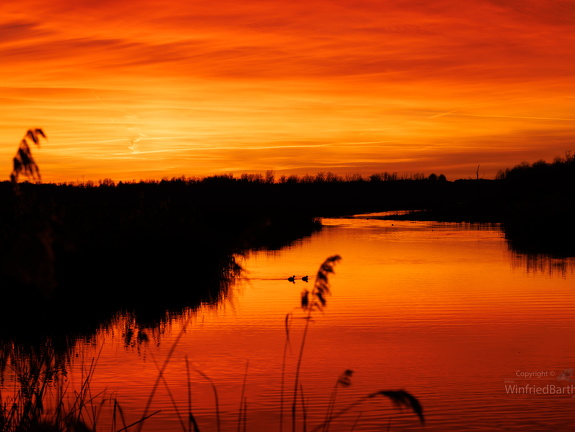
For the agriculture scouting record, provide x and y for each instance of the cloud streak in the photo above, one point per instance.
(349, 85)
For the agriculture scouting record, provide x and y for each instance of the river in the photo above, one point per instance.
(479, 334)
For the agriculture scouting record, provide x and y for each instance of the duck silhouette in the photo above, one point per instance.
(305, 279)
(291, 278)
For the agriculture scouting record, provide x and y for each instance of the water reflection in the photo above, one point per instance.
(445, 311)
(551, 256)
(49, 343)
(544, 264)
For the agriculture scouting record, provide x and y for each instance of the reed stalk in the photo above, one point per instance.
(284, 359)
(216, 398)
(312, 301)
(242, 416)
(161, 374)
(26, 412)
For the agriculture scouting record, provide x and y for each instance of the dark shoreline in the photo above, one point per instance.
(81, 253)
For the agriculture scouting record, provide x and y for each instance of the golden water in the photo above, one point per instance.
(444, 311)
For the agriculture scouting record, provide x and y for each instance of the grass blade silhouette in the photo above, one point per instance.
(217, 399)
(287, 346)
(192, 423)
(161, 374)
(243, 402)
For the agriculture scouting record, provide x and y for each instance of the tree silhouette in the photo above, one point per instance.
(23, 161)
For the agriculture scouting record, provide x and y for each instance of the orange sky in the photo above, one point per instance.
(145, 89)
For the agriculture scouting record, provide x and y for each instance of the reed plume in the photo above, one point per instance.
(316, 298)
(23, 162)
(311, 301)
(344, 381)
(400, 398)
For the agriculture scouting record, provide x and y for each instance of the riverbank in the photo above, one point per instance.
(79, 253)
(71, 257)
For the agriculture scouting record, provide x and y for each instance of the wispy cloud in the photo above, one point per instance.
(300, 86)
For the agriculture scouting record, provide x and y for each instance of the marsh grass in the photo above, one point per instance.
(315, 300)
(42, 402)
(42, 399)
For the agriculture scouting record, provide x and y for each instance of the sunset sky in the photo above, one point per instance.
(148, 89)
